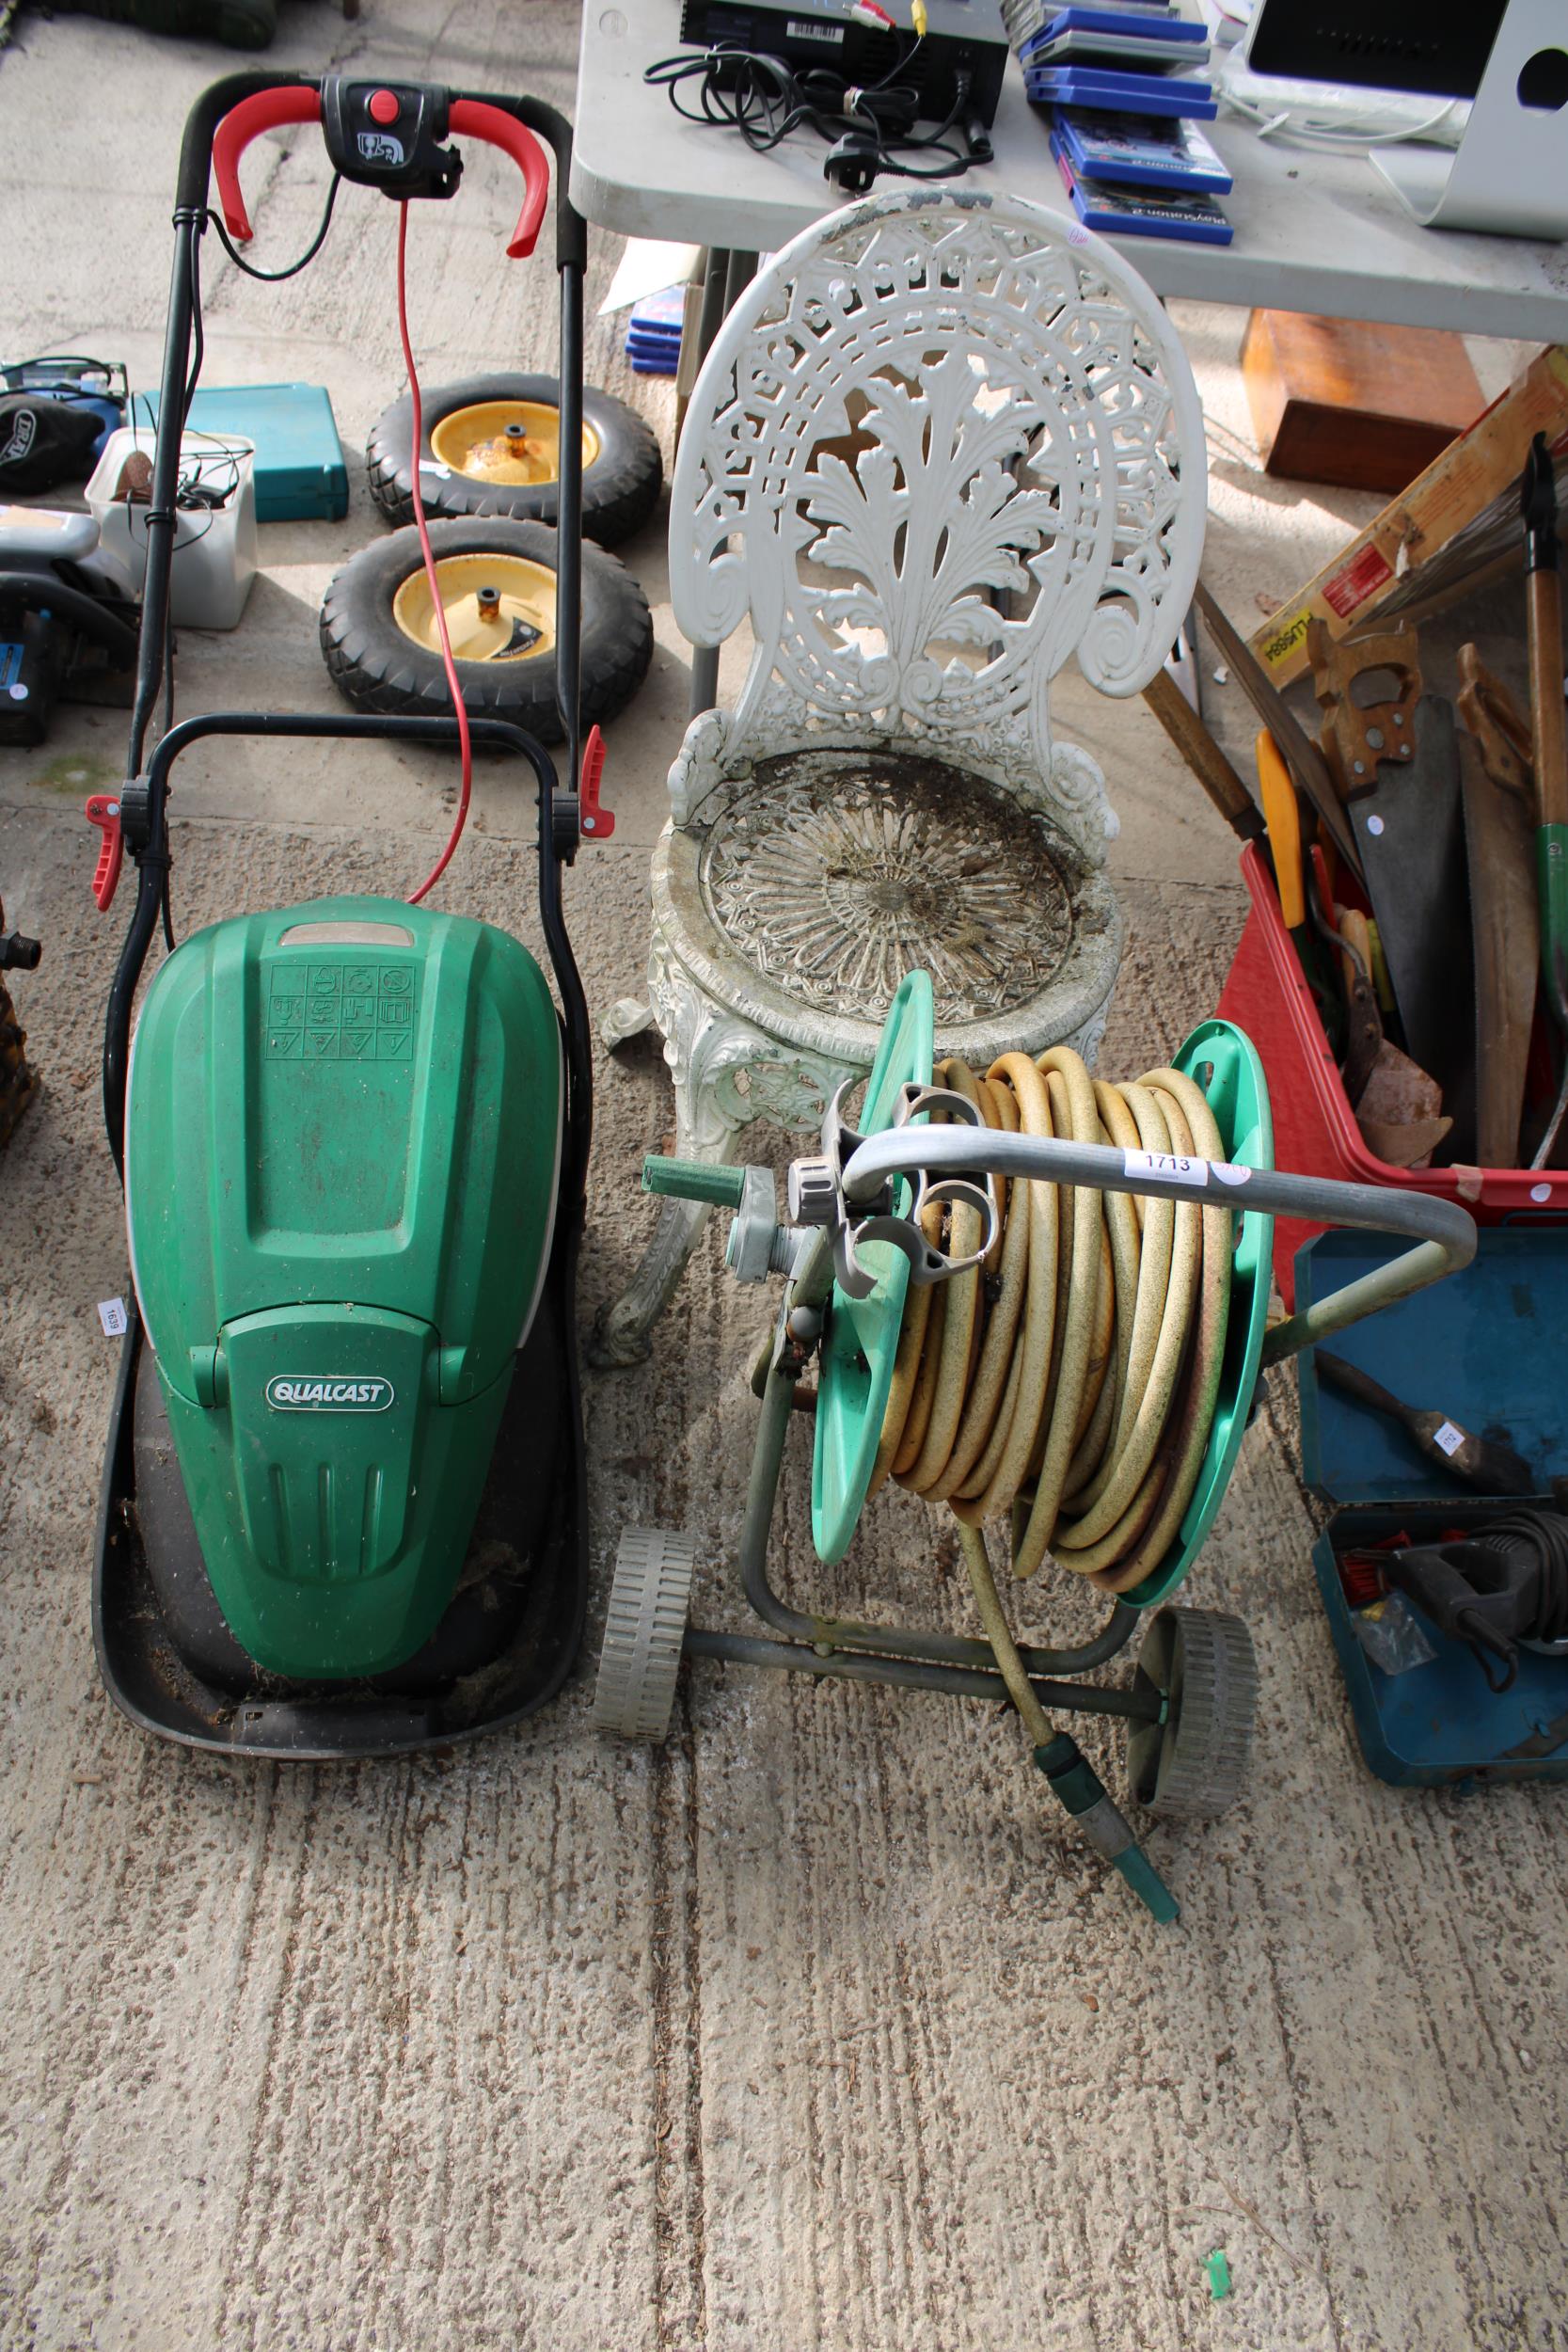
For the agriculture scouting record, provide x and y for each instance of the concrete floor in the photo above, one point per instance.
(813, 2029)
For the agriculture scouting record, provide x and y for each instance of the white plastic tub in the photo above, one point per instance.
(214, 546)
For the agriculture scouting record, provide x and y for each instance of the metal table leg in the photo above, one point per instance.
(728, 274)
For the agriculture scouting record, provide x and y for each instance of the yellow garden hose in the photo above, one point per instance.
(1069, 1382)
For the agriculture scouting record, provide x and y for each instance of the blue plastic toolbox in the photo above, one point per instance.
(300, 473)
(1489, 1347)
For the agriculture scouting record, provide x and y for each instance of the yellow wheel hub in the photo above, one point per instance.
(499, 608)
(506, 440)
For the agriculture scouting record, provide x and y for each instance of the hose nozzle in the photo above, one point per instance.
(1083, 1792)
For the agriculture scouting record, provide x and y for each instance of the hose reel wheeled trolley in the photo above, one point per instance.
(1078, 1353)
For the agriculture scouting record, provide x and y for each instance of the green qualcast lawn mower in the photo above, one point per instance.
(344, 1503)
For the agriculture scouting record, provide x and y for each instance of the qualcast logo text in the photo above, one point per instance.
(312, 1393)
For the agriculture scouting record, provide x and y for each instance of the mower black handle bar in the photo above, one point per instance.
(190, 219)
(154, 866)
(191, 195)
(206, 117)
(434, 729)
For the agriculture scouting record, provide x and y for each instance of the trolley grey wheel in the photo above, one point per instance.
(643, 1631)
(1191, 1767)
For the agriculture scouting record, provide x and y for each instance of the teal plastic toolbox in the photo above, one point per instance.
(300, 473)
(1489, 1347)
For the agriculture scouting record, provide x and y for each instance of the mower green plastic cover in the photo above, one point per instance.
(862, 1339)
(342, 1140)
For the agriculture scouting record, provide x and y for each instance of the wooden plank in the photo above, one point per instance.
(1447, 526)
(1363, 407)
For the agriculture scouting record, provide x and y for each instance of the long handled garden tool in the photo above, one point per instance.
(1544, 595)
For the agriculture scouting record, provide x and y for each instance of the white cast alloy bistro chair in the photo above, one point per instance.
(945, 441)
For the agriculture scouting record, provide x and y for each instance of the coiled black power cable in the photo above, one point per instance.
(766, 100)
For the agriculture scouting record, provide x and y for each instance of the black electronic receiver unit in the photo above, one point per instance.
(964, 38)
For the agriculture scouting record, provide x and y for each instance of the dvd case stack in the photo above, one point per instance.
(653, 332)
(1117, 83)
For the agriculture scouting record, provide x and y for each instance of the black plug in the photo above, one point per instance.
(854, 163)
(977, 136)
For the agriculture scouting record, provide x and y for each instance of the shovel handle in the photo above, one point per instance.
(1203, 755)
(1543, 612)
(1551, 886)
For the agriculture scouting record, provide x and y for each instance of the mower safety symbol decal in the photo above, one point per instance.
(341, 1011)
(316, 1392)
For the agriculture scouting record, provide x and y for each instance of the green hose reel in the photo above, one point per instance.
(861, 1341)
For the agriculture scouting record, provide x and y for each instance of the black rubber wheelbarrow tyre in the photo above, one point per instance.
(378, 666)
(621, 474)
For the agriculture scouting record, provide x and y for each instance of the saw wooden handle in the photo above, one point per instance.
(1356, 736)
(1501, 728)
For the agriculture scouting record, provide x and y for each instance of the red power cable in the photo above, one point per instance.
(467, 750)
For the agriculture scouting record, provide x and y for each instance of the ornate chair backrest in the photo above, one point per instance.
(944, 441)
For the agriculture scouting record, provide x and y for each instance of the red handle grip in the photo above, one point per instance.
(593, 816)
(103, 810)
(479, 122)
(266, 111)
